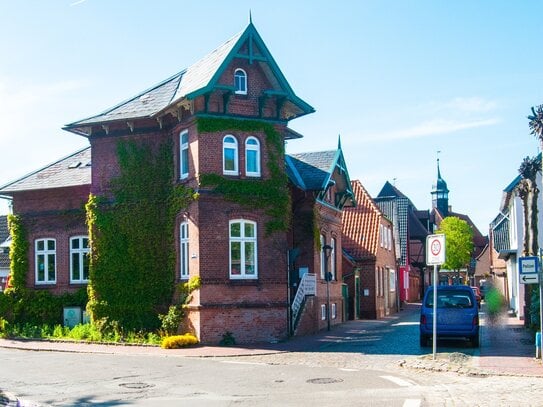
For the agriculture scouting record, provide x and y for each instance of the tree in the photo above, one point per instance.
(458, 243)
(528, 193)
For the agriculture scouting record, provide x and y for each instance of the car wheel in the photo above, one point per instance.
(474, 340)
(423, 341)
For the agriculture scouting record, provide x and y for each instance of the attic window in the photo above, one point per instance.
(240, 81)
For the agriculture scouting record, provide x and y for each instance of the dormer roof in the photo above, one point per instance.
(199, 79)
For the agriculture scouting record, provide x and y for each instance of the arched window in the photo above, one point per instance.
(243, 249)
(184, 249)
(184, 154)
(252, 157)
(240, 81)
(323, 257)
(333, 259)
(230, 155)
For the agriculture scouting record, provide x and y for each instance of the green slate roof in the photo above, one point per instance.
(316, 171)
(198, 79)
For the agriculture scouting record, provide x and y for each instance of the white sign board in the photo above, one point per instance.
(529, 268)
(435, 250)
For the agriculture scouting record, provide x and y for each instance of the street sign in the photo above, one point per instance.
(532, 278)
(528, 265)
(435, 250)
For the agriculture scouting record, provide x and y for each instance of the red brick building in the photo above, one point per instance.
(244, 275)
(369, 258)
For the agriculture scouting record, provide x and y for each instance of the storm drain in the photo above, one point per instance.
(137, 385)
(324, 380)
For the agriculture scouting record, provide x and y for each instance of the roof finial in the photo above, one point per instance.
(339, 141)
(250, 17)
(437, 154)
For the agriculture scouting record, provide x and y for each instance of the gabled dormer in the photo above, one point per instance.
(325, 174)
(240, 78)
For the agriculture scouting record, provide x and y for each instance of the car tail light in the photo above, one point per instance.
(423, 319)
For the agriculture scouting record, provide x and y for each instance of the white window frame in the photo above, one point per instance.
(240, 81)
(256, 149)
(45, 253)
(323, 257)
(323, 312)
(184, 250)
(183, 161)
(230, 145)
(392, 280)
(243, 241)
(81, 252)
(333, 265)
(333, 310)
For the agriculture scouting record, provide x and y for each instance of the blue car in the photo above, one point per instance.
(457, 314)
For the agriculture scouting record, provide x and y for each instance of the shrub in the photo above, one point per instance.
(178, 341)
(227, 339)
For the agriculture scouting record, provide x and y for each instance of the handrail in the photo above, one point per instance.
(308, 286)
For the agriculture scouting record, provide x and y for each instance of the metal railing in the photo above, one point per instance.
(308, 286)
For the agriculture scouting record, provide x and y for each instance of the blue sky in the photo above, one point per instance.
(398, 80)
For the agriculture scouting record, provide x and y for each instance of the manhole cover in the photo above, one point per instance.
(136, 385)
(324, 380)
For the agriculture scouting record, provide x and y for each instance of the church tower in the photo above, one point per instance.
(440, 194)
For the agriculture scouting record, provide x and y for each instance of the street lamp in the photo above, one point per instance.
(327, 249)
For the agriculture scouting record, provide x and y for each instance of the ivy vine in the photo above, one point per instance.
(271, 194)
(18, 254)
(132, 264)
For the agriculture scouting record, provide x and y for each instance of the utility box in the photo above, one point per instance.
(72, 316)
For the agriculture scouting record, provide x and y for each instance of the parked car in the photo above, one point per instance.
(457, 314)
(477, 295)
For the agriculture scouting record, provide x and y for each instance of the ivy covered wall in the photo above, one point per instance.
(133, 261)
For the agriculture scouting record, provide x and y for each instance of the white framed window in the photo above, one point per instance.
(184, 154)
(46, 261)
(240, 81)
(333, 258)
(333, 310)
(184, 250)
(252, 157)
(243, 249)
(323, 257)
(392, 280)
(323, 312)
(79, 259)
(230, 155)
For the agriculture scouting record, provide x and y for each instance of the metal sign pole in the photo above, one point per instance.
(434, 316)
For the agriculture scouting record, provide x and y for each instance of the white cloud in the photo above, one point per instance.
(430, 128)
(473, 104)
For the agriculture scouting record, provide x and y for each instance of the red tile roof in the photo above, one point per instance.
(361, 225)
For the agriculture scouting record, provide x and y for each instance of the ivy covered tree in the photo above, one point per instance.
(458, 243)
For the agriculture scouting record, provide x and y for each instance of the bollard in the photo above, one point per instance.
(538, 345)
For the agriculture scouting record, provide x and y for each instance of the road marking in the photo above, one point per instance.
(344, 369)
(406, 323)
(398, 381)
(412, 403)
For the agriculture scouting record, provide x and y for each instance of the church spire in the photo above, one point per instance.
(440, 193)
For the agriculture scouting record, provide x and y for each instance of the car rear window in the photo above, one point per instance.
(449, 299)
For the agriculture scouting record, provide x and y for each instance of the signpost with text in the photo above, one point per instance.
(435, 255)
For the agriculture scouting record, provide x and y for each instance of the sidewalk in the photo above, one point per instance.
(507, 348)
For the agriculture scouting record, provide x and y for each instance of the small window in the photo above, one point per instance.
(184, 154)
(184, 249)
(79, 259)
(252, 157)
(333, 311)
(323, 257)
(230, 155)
(243, 250)
(240, 82)
(323, 312)
(333, 259)
(46, 261)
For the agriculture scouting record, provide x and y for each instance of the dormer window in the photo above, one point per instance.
(230, 155)
(252, 157)
(240, 81)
